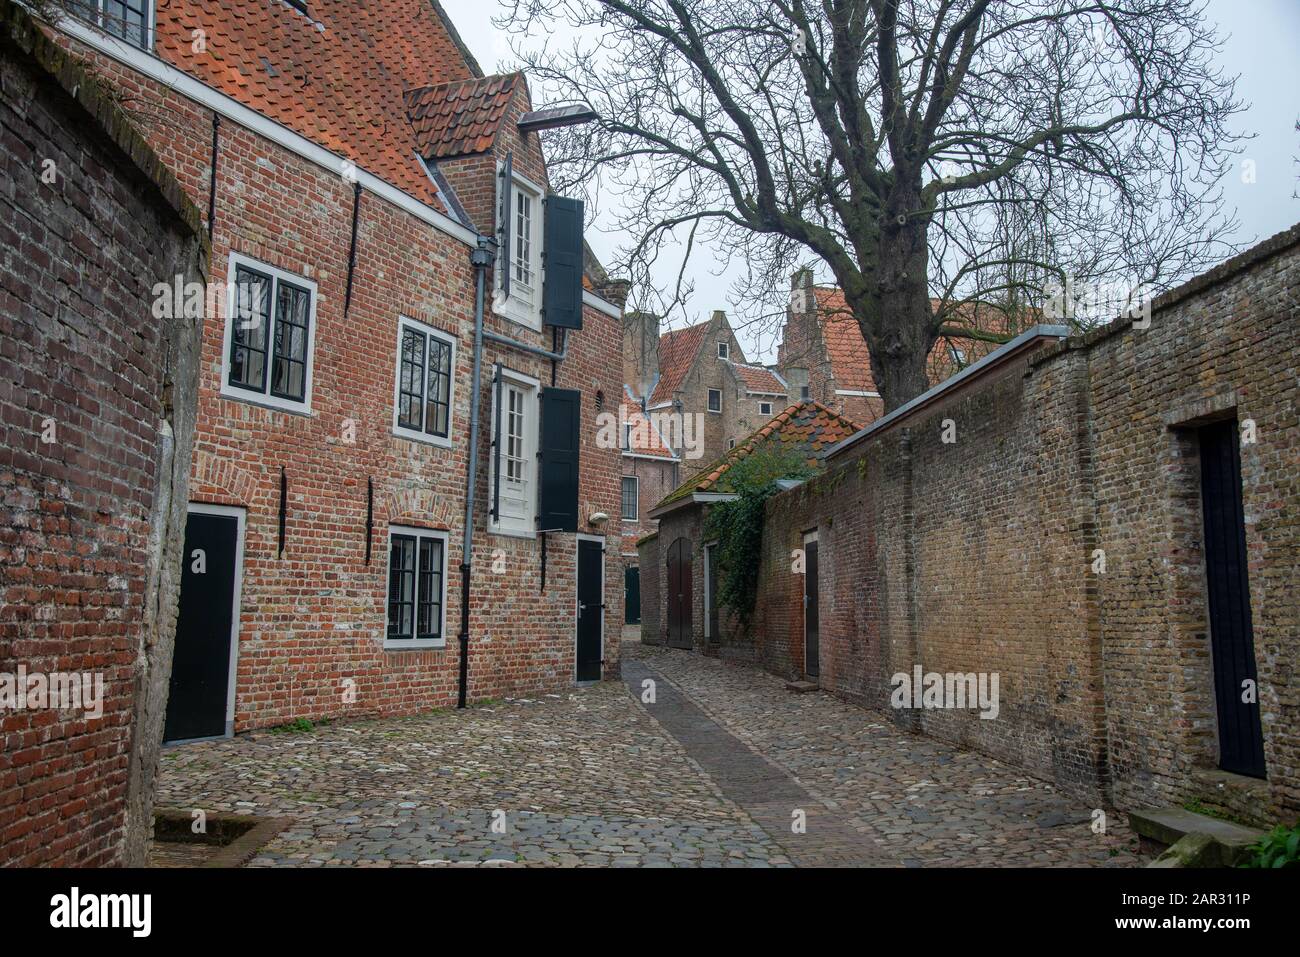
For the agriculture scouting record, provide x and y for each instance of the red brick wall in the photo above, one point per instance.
(316, 617)
(976, 555)
(88, 538)
(651, 565)
(655, 479)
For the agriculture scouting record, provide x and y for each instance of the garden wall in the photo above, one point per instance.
(978, 554)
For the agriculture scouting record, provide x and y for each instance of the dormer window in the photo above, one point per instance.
(129, 20)
(520, 298)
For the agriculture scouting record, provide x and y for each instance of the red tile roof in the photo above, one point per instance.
(759, 380)
(677, 350)
(851, 360)
(807, 426)
(845, 347)
(645, 437)
(461, 117)
(336, 76)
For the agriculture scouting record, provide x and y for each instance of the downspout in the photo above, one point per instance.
(481, 258)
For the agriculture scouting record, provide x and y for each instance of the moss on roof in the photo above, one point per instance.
(808, 426)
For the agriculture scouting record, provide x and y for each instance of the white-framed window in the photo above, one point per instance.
(129, 20)
(417, 588)
(715, 400)
(269, 335)
(731, 444)
(724, 350)
(630, 491)
(424, 384)
(765, 408)
(514, 438)
(523, 255)
(627, 435)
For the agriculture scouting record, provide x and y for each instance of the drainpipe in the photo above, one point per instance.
(533, 350)
(481, 258)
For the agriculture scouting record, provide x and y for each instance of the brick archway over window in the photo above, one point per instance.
(220, 481)
(419, 506)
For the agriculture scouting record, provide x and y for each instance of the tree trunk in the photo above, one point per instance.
(897, 320)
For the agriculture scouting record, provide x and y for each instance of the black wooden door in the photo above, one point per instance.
(632, 596)
(811, 613)
(1232, 642)
(200, 680)
(591, 608)
(679, 594)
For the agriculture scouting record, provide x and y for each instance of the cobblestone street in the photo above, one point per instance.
(716, 772)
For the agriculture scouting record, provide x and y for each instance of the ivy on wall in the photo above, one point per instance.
(737, 525)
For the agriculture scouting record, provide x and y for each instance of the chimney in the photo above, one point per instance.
(640, 352)
(801, 295)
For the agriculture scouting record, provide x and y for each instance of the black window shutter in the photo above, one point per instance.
(505, 216)
(499, 397)
(558, 460)
(562, 247)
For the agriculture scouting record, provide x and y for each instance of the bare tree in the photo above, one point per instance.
(896, 141)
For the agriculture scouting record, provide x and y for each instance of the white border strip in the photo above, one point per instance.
(600, 305)
(180, 81)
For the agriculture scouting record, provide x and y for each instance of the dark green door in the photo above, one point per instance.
(1232, 640)
(200, 679)
(632, 596)
(591, 608)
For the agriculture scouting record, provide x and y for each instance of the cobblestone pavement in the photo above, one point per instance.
(880, 795)
(586, 778)
(714, 772)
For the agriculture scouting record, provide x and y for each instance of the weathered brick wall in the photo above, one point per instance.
(314, 618)
(655, 479)
(684, 523)
(97, 405)
(1229, 340)
(651, 601)
(739, 415)
(976, 555)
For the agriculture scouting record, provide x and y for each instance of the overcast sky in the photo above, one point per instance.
(1262, 45)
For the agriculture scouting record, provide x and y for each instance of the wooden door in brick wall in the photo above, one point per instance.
(811, 610)
(1232, 640)
(199, 695)
(680, 594)
(632, 595)
(591, 608)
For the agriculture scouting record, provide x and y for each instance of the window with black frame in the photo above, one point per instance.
(270, 336)
(424, 383)
(416, 587)
(630, 498)
(129, 20)
(248, 332)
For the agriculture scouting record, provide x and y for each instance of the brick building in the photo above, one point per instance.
(822, 355)
(1108, 523)
(356, 164)
(97, 409)
(699, 375)
(681, 564)
(650, 471)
